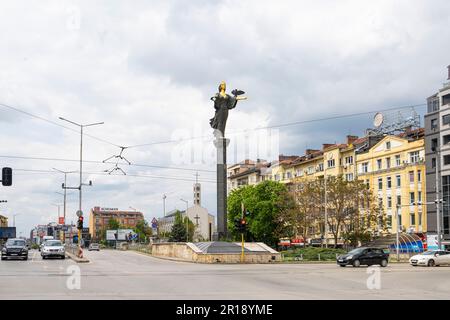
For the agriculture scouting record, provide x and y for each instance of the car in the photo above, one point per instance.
(94, 246)
(364, 256)
(15, 248)
(430, 258)
(53, 248)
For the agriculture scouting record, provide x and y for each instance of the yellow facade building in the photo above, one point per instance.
(3, 221)
(394, 169)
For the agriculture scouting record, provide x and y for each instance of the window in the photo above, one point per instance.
(349, 160)
(320, 166)
(289, 175)
(388, 163)
(434, 124)
(412, 219)
(310, 170)
(419, 176)
(434, 144)
(446, 139)
(446, 119)
(389, 182)
(389, 221)
(331, 163)
(411, 177)
(412, 198)
(299, 173)
(349, 176)
(420, 219)
(397, 160)
(399, 221)
(389, 202)
(446, 159)
(399, 201)
(414, 157)
(379, 165)
(433, 163)
(388, 145)
(367, 184)
(277, 177)
(380, 183)
(399, 181)
(419, 197)
(365, 167)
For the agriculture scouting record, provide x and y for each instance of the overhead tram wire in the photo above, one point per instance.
(101, 162)
(55, 123)
(288, 124)
(37, 171)
(232, 133)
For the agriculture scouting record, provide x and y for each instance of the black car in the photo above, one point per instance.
(15, 248)
(364, 256)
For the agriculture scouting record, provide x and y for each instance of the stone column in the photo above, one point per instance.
(221, 145)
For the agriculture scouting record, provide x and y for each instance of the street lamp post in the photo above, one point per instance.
(164, 204)
(65, 191)
(14, 219)
(187, 220)
(82, 126)
(437, 201)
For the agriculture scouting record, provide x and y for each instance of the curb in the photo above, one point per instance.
(75, 258)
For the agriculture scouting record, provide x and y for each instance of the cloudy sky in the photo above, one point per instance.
(148, 70)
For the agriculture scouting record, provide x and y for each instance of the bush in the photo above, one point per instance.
(312, 253)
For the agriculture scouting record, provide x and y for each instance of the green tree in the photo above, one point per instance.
(269, 205)
(178, 231)
(143, 230)
(113, 224)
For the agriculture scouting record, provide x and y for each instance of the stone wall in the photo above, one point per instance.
(188, 252)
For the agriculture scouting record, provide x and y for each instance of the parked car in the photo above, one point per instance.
(364, 256)
(53, 248)
(15, 248)
(94, 246)
(430, 258)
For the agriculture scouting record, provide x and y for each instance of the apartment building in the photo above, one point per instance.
(394, 169)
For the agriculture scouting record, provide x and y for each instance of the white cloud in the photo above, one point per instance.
(148, 70)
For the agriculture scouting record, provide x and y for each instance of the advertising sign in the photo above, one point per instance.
(122, 234)
(111, 234)
(61, 220)
(432, 242)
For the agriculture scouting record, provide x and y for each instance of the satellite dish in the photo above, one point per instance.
(378, 120)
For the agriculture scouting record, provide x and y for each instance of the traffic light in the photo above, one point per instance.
(80, 223)
(7, 177)
(240, 224)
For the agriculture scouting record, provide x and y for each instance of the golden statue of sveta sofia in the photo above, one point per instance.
(222, 103)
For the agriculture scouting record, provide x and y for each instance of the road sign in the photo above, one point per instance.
(79, 213)
(61, 220)
(154, 223)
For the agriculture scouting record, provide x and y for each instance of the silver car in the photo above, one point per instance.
(53, 248)
(94, 246)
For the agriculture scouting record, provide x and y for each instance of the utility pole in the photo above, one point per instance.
(438, 213)
(14, 219)
(164, 204)
(326, 211)
(65, 194)
(187, 220)
(82, 126)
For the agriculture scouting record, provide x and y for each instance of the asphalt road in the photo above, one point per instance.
(131, 275)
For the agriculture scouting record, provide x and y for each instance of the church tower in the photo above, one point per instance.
(197, 191)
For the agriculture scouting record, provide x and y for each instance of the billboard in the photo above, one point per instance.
(7, 232)
(122, 234)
